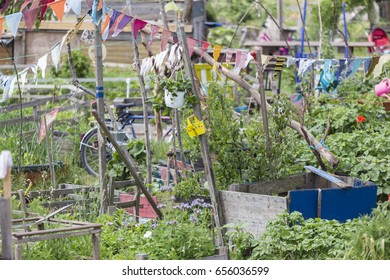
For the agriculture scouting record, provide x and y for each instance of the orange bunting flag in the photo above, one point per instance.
(191, 45)
(205, 45)
(58, 8)
(216, 53)
(100, 6)
(1, 25)
(46, 123)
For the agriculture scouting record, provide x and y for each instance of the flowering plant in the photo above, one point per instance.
(360, 119)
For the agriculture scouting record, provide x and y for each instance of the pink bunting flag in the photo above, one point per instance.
(29, 17)
(5, 6)
(90, 3)
(240, 61)
(205, 45)
(229, 55)
(154, 31)
(49, 119)
(137, 26)
(44, 4)
(26, 2)
(1, 25)
(35, 4)
(191, 45)
(164, 39)
(58, 8)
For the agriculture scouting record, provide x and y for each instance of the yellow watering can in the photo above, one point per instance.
(195, 127)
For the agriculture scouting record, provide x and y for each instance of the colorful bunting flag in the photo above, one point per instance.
(164, 39)
(216, 53)
(46, 123)
(121, 24)
(75, 5)
(89, 3)
(290, 61)
(5, 6)
(29, 17)
(240, 61)
(1, 25)
(205, 45)
(191, 45)
(341, 67)
(171, 6)
(72, 32)
(13, 21)
(42, 63)
(55, 55)
(96, 13)
(229, 55)
(58, 8)
(26, 2)
(374, 62)
(115, 15)
(154, 30)
(137, 26)
(353, 67)
(6, 82)
(279, 65)
(100, 6)
(44, 4)
(106, 28)
(265, 59)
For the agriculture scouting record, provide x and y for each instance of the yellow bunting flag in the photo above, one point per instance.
(171, 6)
(72, 32)
(216, 53)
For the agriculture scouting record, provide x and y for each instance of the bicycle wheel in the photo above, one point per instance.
(89, 151)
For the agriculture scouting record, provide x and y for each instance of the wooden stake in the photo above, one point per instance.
(5, 216)
(202, 138)
(49, 156)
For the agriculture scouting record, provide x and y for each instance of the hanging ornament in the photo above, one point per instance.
(88, 36)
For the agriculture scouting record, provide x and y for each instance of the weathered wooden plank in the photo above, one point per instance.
(270, 187)
(127, 204)
(20, 235)
(5, 226)
(254, 210)
(55, 235)
(123, 184)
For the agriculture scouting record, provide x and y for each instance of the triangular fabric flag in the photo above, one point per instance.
(106, 28)
(379, 67)
(341, 67)
(175, 38)
(55, 55)
(164, 39)
(26, 2)
(304, 64)
(75, 5)
(118, 20)
(89, 3)
(265, 59)
(191, 45)
(13, 21)
(248, 58)
(5, 6)
(46, 123)
(115, 15)
(23, 77)
(6, 82)
(122, 24)
(100, 6)
(229, 55)
(137, 26)
(35, 4)
(366, 64)
(290, 61)
(1, 25)
(154, 30)
(44, 4)
(171, 6)
(160, 59)
(72, 32)
(58, 8)
(205, 45)
(96, 13)
(374, 62)
(240, 60)
(42, 63)
(279, 65)
(29, 17)
(216, 53)
(355, 67)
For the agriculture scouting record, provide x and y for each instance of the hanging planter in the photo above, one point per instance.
(174, 99)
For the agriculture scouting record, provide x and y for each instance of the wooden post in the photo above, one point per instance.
(96, 246)
(145, 112)
(49, 155)
(5, 208)
(100, 111)
(202, 138)
(180, 142)
(129, 162)
(263, 100)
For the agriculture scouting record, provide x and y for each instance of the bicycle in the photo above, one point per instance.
(126, 133)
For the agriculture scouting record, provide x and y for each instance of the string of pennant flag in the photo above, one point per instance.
(115, 21)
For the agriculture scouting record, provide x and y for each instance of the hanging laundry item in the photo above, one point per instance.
(13, 21)
(29, 17)
(279, 65)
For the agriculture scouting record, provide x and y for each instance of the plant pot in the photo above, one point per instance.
(174, 100)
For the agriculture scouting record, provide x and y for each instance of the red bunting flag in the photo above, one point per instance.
(191, 45)
(29, 17)
(137, 26)
(58, 8)
(205, 45)
(44, 4)
(154, 31)
(164, 39)
(1, 25)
